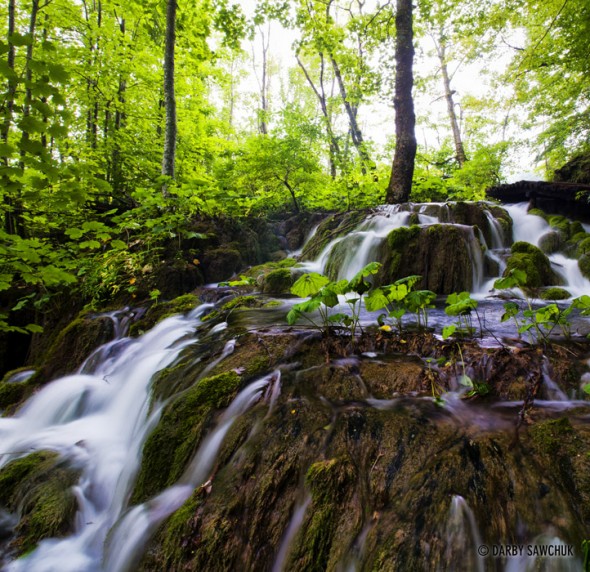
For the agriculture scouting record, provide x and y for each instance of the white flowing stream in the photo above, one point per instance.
(98, 419)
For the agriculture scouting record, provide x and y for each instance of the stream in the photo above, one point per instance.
(328, 470)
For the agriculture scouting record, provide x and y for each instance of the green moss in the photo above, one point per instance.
(584, 265)
(401, 236)
(584, 246)
(550, 242)
(39, 487)
(328, 482)
(534, 263)
(330, 228)
(561, 224)
(555, 294)
(278, 282)
(163, 310)
(240, 302)
(175, 440)
(554, 436)
(12, 393)
(538, 212)
(576, 228)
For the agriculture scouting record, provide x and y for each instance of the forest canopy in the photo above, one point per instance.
(84, 116)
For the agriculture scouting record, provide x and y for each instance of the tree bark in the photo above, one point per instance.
(459, 149)
(321, 96)
(10, 219)
(169, 157)
(402, 169)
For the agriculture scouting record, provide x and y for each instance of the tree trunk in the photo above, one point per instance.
(402, 169)
(25, 136)
(321, 95)
(11, 225)
(169, 157)
(351, 112)
(459, 149)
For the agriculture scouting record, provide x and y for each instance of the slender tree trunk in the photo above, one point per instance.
(402, 169)
(459, 149)
(355, 131)
(169, 156)
(25, 136)
(321, 96)
(10, 219)
(119, 123)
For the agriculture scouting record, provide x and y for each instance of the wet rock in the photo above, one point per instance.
(278, 282)
(551, 242)
(330, 228)
(534, 263)
(221, 263)
(555, 294)
(584, 265)
(384, 379)
(438, 253)
(38, 488)
(162, 310)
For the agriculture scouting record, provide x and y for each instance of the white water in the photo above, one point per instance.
(292, 529)
(132, 532)
(98, 421)
(462, 537)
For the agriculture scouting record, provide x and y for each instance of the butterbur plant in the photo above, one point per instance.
(399, 299)
(460, 305)
(324, 295)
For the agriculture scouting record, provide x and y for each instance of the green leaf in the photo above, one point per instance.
(586, 388)
(448, 331)
(90, 244)
(309, 284)
(466, 381)
(511, 309)
(6, 150)
(17, 39)
(34, 328)
(74, 233)
(293, 315)
(376, 300)
(118, 244)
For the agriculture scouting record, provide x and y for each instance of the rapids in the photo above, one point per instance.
(332, 467)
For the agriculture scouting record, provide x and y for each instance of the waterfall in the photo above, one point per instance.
(292, 529)
(98, 421)
(463, 538)
(131, 533)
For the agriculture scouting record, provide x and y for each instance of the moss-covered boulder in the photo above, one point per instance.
(477, 214)
(584, 265)
(278, 282)
(534, 263)
(332, 227)
(583, 247)
(441, 254)
(561, 225)
(38, 488)
(74, 344)
(162, 310)
(551, 242)
(555, 294)
(220, 263)
(538, 212)
(171, 446)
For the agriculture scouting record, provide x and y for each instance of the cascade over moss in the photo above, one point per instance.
(438, 253)
(534, 263)
(39, 488)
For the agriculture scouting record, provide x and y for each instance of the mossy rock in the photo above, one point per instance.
(39, 488)
(576, 228)
(474, 214)
(74, 344)
(584, 246)
(555, 294)
(162, 310)
(278, 282)
(551, 242)
(538, 212)
(561, 224)
(221, 263)
(584, 265)
(175, 440)
(341, 254)
(438, 253)
(331, 228)
(534, 263)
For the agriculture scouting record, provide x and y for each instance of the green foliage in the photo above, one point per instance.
(323, 295)
(460, 305)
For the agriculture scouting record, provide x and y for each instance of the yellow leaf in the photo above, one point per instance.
(132, 281)
(385, 328)
(196, 261)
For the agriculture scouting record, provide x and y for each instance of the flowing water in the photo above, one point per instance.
(98, 419)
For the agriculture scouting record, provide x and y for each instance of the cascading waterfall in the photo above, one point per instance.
(98, 421)
(131, 533)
